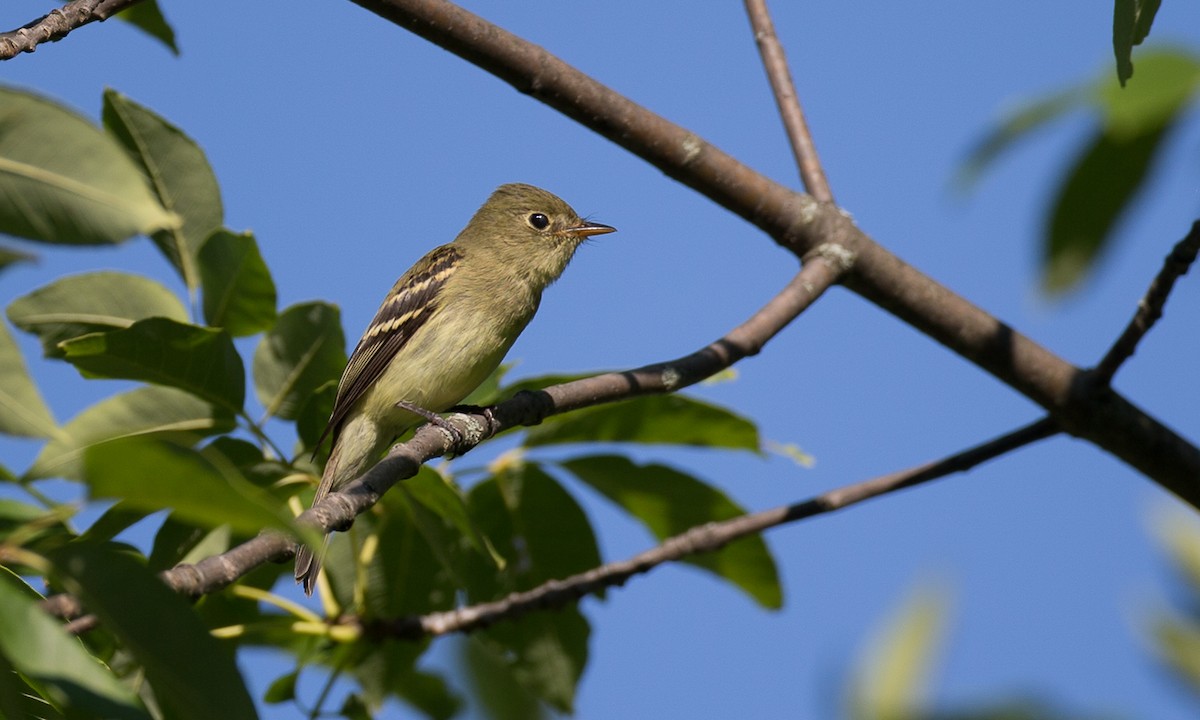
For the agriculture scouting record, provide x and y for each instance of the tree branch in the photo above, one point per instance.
(1150, 308)
(775, 64)
(799, 223)
(701, 539)
(55, 25)
(339, 509)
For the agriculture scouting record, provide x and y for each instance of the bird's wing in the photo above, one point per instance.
(413, 299)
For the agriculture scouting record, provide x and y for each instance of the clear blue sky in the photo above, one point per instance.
(350, 147)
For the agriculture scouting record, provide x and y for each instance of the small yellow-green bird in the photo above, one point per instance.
(444, 328)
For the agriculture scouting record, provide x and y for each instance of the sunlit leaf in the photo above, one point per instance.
(154, 624)
(199, 487)
(304, 350)
(200, 360)
(894, 677)
(62, 180)
(667, 419)
(179, 175)
(147, 17)
(92, 302)
(239, 294)
(1168, 84)
(144, 411)
(669, 502)
(55, 663)
(22, 410)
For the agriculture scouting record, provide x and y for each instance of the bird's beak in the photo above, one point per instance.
(587, 229)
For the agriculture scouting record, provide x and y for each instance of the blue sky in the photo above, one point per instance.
(350, 147)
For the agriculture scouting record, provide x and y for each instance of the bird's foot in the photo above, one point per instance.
(433, 418)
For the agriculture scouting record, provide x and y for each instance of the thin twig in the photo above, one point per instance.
(1150, 308)
(339, 509)
(775, 63)
(701, 539)
(56, 24)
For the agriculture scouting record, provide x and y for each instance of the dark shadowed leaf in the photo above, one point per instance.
(147, 17)
(55, 663)
(1131, 25)
(303, 351)
(437, 493)
(491, 679)
(669, 502)
(548, 652)
(179, 174)
(313, 417)
(92, 302)
(155, 624)
(197, 359)
(144, 411)
(239, 294)
(76, 186)
(22, 410)
(201, 487)
(282, 688)
(665, 419)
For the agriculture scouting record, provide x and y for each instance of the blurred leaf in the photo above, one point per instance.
(282, 689)
(668, 419)
(178, 539)
(492, 683)
(1180, 534)
(92, 302)
(1094, 194)
(548, 652)
(313, 417)
(65, 181)
(894, 678)
(489, 392)
(304, 350)
(436, 492)
(144, 411)
(55, 663)
(200, 487)
(669, 502)
(1131, 25)
(179, 175)
(22, 410)
(9, 256)
(155, 623)
(34, 527)
(239, 294)
(147, 17)
(197, 359)
(354, 708)
(1017, 126)
(792, 452)
(1168, 84)
(1179, 646)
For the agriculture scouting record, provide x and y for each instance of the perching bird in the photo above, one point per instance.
(444, 328)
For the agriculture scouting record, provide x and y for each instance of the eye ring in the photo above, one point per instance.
(538, 221)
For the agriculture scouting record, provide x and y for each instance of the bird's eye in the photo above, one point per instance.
(538, 221)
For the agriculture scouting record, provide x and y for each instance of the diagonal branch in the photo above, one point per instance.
(339, 509)
(775, 63)
(801, 224)
(1150, 308)
(701, 539)
(55, 25)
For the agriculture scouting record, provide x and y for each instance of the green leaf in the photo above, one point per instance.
(669, 502)
(178, 540)
(1131, 25)
(144, 411)
(1017, 126)
(312, 418)
(1178, 644)
(92, 302)
(893, 680)
(179, 175)
(147, 17)
(548, 651)
(65, 181)
(9, 257)
(1094, 195)
(197, 359)
(442, 496)
(22, 410)
(1168, 84)
(305, 350)
(670, 419)
(155, 624)
(491, 680)
(282, 689)
(239, 294)
(201, 487)
(56, 664)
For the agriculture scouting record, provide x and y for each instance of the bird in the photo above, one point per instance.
(444, 327)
